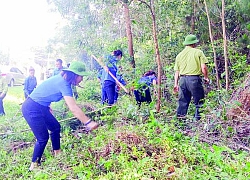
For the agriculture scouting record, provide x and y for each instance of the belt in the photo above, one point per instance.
(184, 75)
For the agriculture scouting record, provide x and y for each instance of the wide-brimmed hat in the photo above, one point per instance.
(78, 68)
(190, 39)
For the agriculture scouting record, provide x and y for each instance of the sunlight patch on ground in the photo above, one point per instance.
(14, 99)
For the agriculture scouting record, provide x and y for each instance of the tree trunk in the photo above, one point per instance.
(193, 17)
(158, 58)
(157, 52)
(129, 35)
(212, 43)
(224, 42)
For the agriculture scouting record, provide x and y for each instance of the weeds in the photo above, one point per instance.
(132, 144)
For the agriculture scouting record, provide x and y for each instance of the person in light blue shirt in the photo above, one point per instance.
(30, 83)
(36, 109)
(107, 81)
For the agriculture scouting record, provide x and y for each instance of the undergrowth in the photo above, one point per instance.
(131, 143)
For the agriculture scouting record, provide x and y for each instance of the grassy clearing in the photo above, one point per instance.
(130, 144)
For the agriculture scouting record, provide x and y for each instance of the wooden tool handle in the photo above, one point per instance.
(116, 80)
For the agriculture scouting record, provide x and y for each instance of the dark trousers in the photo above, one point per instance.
(104, 96)
(190, 86)
(41, 121)
(109, 91)
(1, 106)
(116, 94)
(142, 95)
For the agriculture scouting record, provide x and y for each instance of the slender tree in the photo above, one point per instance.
(157, 51)
(193, 16)
(129, 33)
(212, 43)
(224, 41)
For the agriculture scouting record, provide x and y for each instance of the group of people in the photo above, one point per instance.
(110, 89)
(30, 84)
(189, 66)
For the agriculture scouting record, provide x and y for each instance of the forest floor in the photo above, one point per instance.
(129, 144)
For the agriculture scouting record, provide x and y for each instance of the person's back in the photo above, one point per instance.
(147, 79)
(142, 91)
(51, 90)
(189, 61)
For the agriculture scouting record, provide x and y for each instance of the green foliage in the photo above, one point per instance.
(131, 144)
(137, 143)
(98, 27)
(91, 89)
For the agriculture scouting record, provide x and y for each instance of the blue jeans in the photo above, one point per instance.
(41, 121)
(109, 91)
(1, 106)
(104, 96)
(190, 86)
(116, 94)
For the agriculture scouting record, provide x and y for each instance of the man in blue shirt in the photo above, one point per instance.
(59, 67)
(30, 83)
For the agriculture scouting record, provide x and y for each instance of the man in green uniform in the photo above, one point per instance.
(190, 64)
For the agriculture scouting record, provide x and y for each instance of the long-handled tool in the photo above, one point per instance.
(116, 80)
(62, 120)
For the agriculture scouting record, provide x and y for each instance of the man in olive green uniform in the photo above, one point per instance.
(190, 64)
(3, 92)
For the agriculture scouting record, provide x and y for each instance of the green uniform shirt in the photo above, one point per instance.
(3, 85)
(189, 60)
